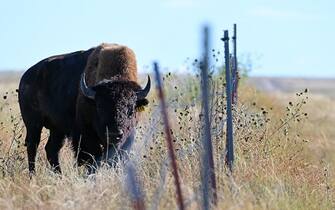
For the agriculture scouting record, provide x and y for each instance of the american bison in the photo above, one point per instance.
(90, 96)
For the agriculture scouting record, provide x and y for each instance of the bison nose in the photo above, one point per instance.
(116, 134)
(119, 134)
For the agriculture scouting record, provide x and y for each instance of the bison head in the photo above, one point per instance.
(116, 103)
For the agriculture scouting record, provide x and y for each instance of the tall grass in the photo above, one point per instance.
(284, 157)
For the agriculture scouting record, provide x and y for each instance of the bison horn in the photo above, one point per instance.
(144, 92)
(87, 91)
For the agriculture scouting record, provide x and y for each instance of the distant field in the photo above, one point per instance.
(324, 87)
(7, 77)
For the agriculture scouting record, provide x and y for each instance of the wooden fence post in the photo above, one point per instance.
(134, 188)
(169, 137)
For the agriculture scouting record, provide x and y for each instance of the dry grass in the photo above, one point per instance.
(284, 158)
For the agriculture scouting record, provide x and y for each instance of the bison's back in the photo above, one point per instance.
(48, 90)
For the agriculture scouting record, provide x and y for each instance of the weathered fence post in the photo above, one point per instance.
(235, 74)
(134, 187)
(229, 139)
(169, 137)
(208, 170)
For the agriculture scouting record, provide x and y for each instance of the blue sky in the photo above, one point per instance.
(284, 37)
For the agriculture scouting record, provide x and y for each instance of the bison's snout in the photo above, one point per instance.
(117, 135)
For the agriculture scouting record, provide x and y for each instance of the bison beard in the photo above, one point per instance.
(100, 117)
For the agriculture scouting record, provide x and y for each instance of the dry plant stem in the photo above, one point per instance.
(286, 122)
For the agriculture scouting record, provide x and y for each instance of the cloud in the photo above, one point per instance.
(274, 13)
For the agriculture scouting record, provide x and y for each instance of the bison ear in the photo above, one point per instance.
(140, 104)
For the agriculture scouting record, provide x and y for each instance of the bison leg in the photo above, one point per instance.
(87, 150)
(55, 143)
(76, 139)
(32, 141)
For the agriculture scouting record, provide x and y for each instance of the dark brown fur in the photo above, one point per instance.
(111, 70)
(50, 96)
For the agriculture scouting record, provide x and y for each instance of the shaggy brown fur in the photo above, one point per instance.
(111, 60)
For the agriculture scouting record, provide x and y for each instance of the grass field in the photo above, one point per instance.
(285, 154)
